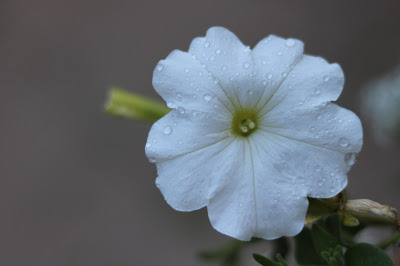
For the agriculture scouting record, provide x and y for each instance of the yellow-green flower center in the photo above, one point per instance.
(244, 123)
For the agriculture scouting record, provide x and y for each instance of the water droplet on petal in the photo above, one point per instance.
(167, 130)
(160, 67)
(344, 142)
(326, 78)
(218, 51)
(350, 158)
(207, 97)
(269, 76)
(246, 65)
(290, 43)
(317, 91)
(284, 74)
(224, 67)
(148, 144)
(206, 44)
(186, 70)
(181, 110)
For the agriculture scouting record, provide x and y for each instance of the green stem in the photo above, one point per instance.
(391, 240)
(128, 105)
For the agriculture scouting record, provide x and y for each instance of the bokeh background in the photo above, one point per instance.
(75, 185)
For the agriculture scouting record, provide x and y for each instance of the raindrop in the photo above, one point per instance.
(344, 142)
(160, 67)
(290, 43)
(350, 158)
(326, 78)
(206, 44)
(181, 110)
(246, 65)
(167, 130)
(207, 97)
(269, 76)
(218, 51)
(148, 145)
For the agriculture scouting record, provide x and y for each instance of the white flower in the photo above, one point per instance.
(381, 104)
(252, 133)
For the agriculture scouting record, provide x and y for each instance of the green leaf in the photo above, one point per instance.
(366, 255)
(322, 239)
(265, 261)
(333, 257)
(305, 253)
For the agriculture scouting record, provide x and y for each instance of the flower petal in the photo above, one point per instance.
(180, 133)
(315, 148)
(189, 181)
(257, 201)
(312, 81)
(185, 85)
(227, 60)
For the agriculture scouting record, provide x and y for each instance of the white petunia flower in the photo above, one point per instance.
(251, 133)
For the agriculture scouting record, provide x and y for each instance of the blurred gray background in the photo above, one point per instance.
(75, 185)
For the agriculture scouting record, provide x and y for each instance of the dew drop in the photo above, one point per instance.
(160, 67)
(344, 142)
(167, 130)
(269, 76)
(207, 97)
(218, 51)
(206, 44)
(181, 110)
(290, 43)
(350, 158)
(246, 65)
(326, 78)
(148, 144)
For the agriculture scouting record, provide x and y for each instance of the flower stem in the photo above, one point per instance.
(128, 105)
(391, 240)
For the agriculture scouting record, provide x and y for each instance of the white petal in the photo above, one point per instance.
(189, 181)
(227, 59)
(274, 58)
(257, 201)
(185, 85)
(232, 210)
(315, 153)
(180, 133)
(312, 81)
(327, 126)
